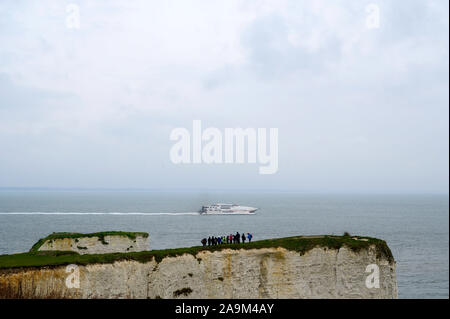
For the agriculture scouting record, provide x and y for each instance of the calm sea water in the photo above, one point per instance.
(416, 227)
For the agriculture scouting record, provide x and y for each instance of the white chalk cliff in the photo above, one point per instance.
(97, 245)
(320, 272)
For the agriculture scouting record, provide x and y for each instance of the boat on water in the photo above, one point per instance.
(227, 209)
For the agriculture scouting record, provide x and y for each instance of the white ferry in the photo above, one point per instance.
(227, 209)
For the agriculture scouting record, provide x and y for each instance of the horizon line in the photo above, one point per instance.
(276, 190)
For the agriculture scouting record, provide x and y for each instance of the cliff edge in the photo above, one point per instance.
(293, 267)
(94, 243)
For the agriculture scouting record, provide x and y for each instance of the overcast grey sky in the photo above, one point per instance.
(358, 109)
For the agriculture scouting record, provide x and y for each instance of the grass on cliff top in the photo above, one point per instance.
(297, 243)
(100, 235)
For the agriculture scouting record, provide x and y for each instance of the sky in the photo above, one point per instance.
(90, 92)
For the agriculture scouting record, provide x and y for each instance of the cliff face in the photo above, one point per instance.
(97, 245)
(253, 273)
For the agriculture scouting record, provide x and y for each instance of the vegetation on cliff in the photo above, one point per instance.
(301, 244)
(100, 235)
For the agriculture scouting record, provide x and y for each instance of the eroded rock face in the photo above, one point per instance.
(95, 245)
(255, 273)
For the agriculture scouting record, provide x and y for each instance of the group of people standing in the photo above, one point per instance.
(228, 239)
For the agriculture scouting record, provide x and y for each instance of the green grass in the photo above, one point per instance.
(299, 244)
(100, 235)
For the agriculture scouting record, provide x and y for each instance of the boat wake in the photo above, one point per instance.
(99, 213)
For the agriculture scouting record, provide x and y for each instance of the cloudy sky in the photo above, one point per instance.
(359, 108)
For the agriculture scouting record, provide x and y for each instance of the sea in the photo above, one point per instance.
(415, 226)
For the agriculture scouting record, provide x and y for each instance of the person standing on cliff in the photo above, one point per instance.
(249, 236)
(243, 238)
(238, 237)
(209, 241)
(203, 241)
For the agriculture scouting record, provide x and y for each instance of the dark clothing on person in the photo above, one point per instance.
(228, 239)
